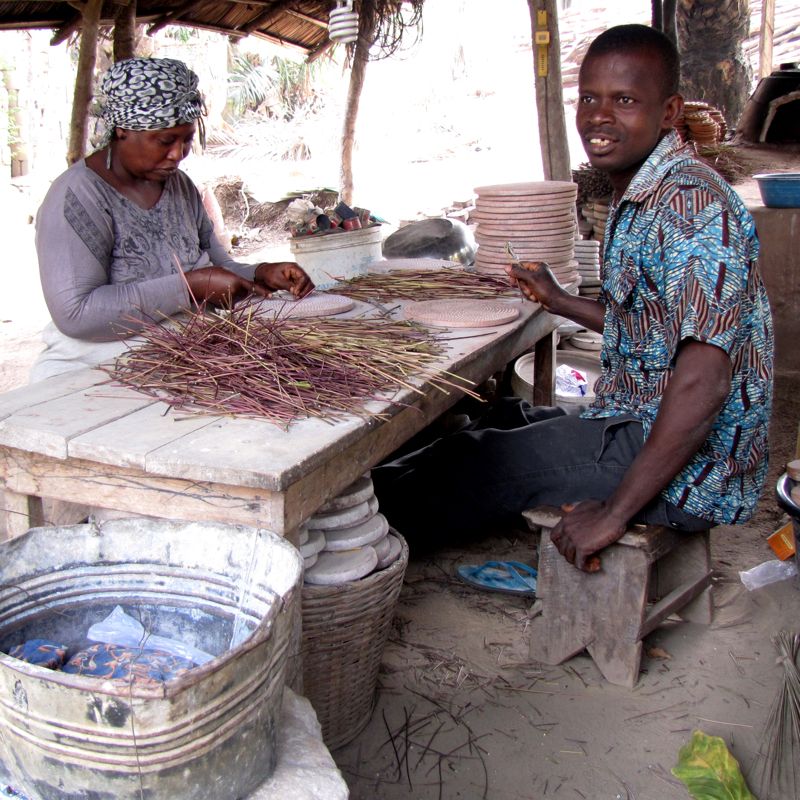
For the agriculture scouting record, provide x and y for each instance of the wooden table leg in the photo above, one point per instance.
(544, 370)
(19, 513)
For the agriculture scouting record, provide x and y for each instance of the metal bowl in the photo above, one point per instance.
(441, 238)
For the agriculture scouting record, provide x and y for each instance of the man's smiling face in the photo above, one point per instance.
(623, 111)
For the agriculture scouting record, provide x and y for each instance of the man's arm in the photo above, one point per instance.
(696, 392)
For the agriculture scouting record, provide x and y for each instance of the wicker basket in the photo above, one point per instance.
(345, 628)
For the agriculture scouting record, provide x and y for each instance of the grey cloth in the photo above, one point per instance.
(108, 266)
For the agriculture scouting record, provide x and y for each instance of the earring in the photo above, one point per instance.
(108, 158)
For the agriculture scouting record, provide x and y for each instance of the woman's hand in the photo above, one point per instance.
(284, 275)
(220, 287)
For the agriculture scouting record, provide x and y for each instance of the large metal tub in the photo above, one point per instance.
(231, 591)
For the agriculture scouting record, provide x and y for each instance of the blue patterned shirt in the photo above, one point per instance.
(679, 263)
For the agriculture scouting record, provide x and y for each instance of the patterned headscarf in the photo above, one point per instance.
(145, 94)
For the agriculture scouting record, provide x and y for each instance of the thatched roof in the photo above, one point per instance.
(297, 23)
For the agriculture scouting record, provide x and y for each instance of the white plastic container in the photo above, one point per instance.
(344, 254)
(587, 363)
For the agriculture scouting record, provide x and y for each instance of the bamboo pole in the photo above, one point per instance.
(765, 38)
(549, 92)
(83, 83)
(367, 24)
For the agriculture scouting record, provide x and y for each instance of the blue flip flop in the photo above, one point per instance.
(509, 577)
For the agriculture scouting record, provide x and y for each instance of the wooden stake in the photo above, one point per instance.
(87, 56)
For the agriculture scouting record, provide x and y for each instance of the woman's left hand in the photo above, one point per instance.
(284, 275)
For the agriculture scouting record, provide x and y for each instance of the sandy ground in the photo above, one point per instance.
(462, 712)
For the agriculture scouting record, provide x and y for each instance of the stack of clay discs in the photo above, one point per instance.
(701, 123)
(537, 218)
(595, 210)
(587, 253)
(355, 538)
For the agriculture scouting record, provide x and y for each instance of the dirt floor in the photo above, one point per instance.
(463, 712)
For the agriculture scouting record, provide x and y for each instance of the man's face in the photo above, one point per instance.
(622, 112)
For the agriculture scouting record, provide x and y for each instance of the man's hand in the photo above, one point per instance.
(536, 282)
(220, 287)
(284, 275)
(585, 529)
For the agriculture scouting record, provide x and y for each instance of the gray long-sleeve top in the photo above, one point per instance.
(107, 265)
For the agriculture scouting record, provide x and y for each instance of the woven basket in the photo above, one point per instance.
(345, 628)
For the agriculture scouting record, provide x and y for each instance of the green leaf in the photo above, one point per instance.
(709, 771)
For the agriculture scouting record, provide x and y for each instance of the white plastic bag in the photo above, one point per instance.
(768, 572)
(570, 382)
(122, 629)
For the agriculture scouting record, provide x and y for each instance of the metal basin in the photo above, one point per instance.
(441, 238)
(230, 591)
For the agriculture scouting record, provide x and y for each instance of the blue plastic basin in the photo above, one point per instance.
(779, 189)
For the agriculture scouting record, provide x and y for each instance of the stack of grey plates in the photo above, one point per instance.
(538, 219)
(348, 537)
(595, 211)
(587, 253)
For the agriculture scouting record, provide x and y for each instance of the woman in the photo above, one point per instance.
(115, 228)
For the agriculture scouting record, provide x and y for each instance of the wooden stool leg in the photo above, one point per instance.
(686, 566)
(618, 661)
(564, 628)
(601, 612)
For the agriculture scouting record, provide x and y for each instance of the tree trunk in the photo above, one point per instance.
(367, 23)
(125, 30)
(549, 92)
(83, 83)
(714, 67)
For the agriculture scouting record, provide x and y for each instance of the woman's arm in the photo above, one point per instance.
(74, 243)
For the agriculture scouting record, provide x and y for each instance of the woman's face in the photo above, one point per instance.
(153, 155)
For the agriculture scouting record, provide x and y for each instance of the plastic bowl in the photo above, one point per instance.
(779, 189)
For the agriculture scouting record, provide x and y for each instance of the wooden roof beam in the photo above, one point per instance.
(320, 23)
(265, 18)
(66, 30)
(171, 17)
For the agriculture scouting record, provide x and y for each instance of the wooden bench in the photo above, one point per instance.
(608, 612)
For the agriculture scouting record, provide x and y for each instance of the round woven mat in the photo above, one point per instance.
(461, 313)
(317, 304)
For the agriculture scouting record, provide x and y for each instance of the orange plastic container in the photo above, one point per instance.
(782, 542)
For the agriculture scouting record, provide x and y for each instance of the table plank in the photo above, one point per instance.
(48, 426)
(35, 393)
(127, 441)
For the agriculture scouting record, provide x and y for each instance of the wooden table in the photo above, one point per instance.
(78, 438)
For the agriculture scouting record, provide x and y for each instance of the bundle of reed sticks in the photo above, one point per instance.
(282, 369)
(438, 284)
(779, 753)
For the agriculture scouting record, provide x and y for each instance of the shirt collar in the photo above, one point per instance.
(652, 172)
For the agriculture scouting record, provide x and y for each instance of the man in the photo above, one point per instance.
(677, 434)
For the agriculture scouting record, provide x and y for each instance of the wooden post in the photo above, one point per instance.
(549, 90)
(90, 11)
(367, 21)
(765, 38)
(124, 29)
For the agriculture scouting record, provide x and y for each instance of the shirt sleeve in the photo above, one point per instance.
(74, 243)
